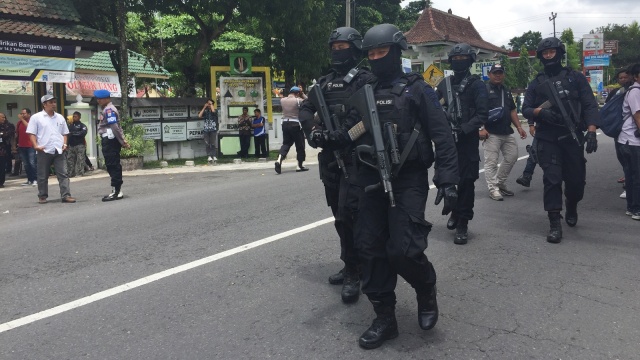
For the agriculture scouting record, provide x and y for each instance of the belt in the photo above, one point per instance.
(292, 120)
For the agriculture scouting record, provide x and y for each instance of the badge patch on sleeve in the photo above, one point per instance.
(111, 115)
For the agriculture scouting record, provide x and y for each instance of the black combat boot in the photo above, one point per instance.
(571, 215)
(351, 286)
(337, 278)
(461, 232)
(524, 180)
(452, 223)
(427, 309)
(555, 231)
(384, 326)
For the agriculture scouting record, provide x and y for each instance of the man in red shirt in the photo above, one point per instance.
(25, 149)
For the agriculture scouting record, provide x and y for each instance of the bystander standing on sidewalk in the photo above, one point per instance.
(48, 133)
(210, 129)
(25, 148)
(244, 131)
(77, 147)
(259, 134)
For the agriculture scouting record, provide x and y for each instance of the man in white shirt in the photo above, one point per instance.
(48, 133)
(629, 144)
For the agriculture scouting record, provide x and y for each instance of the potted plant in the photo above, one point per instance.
(132, 158)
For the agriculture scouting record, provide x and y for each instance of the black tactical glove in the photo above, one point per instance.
(592, 142)
(338, 138)
(317, 138)
(450, 195)
(551, 116)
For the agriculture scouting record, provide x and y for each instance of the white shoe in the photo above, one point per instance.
(495, 195)
(209, 159)
(113, 196)
(26, 184)
(34, 183)
(215, 158)
(623, 195)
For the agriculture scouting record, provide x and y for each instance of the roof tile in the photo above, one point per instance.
(55, 31)
(434, 25)
(44, 9)
(138, 64)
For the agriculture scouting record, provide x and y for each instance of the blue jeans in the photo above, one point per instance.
(28, 156)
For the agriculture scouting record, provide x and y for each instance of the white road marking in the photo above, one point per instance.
(163, 274)
(154, 277)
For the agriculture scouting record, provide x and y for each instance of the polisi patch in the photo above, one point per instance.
(385, 101)
(335, 85)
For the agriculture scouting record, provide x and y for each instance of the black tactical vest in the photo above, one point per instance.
(394, 105)
(337, 92)
(570, 87)
(467, 101)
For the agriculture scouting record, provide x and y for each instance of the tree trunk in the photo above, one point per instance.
(124, 54)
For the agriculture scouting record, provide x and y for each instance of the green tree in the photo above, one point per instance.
(522, 69)
(628, 37)
(409, 14)
(530, 40)
(574, 57)
(509, 74)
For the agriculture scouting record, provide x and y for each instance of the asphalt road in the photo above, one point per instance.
(128, 278)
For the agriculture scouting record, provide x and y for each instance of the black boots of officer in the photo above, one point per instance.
(427, 308)
(350, 286)
(524, 180)
(384, 326)
(461, 232)
(337, 278)
(555, 230)
(571, 215)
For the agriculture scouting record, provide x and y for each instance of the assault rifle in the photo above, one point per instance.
(454, 110)
(364, 102)
(317, 99)
(556, 94)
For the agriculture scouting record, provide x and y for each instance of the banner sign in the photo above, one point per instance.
(21, 60)
(15, 87)
(152, 131)
(85, 84)
(174, 131)
(596, 60)
(194, 130)
(596, 80)
(593, 42)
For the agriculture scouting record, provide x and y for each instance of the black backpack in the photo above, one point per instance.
(611, 120)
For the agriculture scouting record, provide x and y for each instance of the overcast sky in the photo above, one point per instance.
(498, 21)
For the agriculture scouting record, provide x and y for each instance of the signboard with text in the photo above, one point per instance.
(596, 60)
(174, 131)
(175, 112)
(22, 60)
(16, 87)
(85, 84)
(194, 130)
(152, 131)
(145, 113)
(611, 47)
(238, 92)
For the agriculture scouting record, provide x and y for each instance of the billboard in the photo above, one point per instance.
(235, 93)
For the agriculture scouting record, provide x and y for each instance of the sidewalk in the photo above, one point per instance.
(12, 183)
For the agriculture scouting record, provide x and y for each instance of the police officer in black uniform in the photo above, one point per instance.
(560, 155)
(391, 239)
(470, 94)
(341, 192)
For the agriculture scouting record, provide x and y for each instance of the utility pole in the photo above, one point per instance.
(551, 18)
(348, 14)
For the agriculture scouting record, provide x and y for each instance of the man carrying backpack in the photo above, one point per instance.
(629, 142)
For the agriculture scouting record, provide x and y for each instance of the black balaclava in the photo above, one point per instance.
(461, 65)
(553, 66)
(343, 60)
(389, 67)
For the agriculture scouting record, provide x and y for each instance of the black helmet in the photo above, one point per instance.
(550, 43)
(384, 35)
(463, 49)
(348, 34)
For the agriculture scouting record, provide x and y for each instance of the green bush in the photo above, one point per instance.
(133, 134)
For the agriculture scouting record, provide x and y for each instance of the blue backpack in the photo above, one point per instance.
(611, 119)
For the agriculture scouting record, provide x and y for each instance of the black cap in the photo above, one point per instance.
(496, 67)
